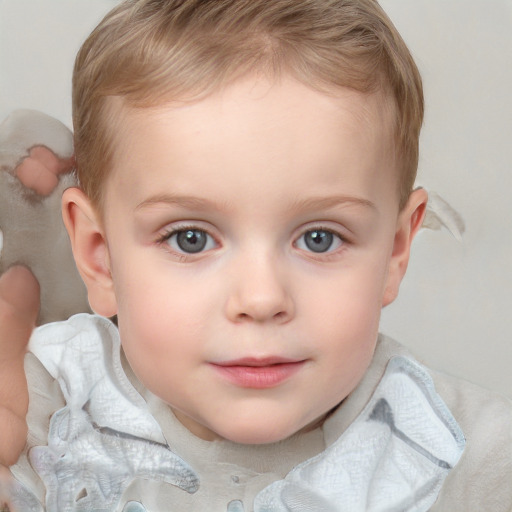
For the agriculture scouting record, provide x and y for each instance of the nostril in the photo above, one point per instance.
(259, 301)
(280, 316)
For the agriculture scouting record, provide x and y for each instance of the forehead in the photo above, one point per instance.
(266, 130)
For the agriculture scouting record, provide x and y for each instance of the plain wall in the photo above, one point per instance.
(455, 306)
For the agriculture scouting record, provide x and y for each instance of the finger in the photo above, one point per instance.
(19, 306)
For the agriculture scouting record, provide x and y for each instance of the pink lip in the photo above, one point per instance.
(258, 373)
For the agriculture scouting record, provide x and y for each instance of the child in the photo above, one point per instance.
(246, 209)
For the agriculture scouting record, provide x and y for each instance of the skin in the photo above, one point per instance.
(255, 169)
(265, 163)
(19, 306)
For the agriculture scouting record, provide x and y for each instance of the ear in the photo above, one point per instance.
(409, 222)
(90, 250)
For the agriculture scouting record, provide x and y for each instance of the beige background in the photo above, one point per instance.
(455, 308)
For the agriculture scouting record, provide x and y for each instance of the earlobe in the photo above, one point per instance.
(90, 250)
(409, 222)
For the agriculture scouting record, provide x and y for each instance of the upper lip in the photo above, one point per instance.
(258, 361)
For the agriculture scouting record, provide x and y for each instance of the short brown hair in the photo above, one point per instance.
(151, 51)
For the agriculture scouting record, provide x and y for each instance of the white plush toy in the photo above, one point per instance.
(36, 165)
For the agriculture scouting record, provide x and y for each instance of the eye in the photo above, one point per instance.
(190, 240)
(319, 241)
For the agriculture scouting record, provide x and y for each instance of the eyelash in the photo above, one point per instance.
(182, 254)
(169, 233)
(336, 238)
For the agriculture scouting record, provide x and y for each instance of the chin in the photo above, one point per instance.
(258, 433)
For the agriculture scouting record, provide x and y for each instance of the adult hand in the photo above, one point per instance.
(19, 307)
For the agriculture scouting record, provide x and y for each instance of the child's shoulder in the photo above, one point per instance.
(484, 473)
(482, 479)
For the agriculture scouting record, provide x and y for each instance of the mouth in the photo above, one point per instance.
(258, 373)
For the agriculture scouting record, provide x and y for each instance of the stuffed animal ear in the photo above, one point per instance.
(90, 250)
(36, 164)
(409, 222)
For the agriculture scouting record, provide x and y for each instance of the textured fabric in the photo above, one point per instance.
(393, 457)
(389, 446)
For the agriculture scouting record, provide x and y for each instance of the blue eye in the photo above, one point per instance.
(190, 241)
(319, 241)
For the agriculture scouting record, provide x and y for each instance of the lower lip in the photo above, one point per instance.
(259, 377)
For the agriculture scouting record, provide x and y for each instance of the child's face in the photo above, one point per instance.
(252, 241)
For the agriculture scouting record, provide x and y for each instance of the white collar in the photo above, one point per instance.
(393, 457)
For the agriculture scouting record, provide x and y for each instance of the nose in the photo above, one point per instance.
(259, 291)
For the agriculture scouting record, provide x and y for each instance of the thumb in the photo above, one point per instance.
(19, 307)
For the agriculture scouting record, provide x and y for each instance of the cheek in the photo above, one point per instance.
(350, 299)
(156, 347)
(344, 320)
(161, 315)
(151, 293)
(348, 346)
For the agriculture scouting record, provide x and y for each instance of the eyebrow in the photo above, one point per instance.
(321, 203)
(204, 204)
(188, 202)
